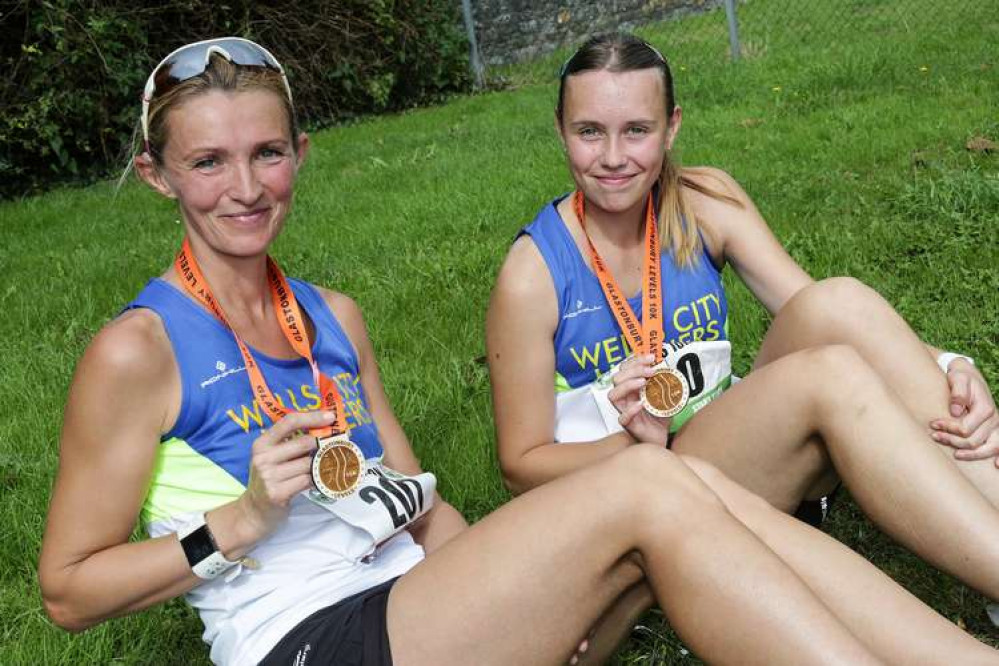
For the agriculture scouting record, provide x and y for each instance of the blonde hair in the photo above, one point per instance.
(623, 52)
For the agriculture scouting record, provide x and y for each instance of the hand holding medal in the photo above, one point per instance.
(629, 382)
(280, 468)
(665, 391)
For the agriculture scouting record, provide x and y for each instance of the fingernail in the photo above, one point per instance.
(328, 415)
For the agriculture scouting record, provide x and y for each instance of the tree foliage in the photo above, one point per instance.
(74, 70)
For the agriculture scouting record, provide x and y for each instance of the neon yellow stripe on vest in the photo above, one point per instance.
(185, 481)
(561, 385)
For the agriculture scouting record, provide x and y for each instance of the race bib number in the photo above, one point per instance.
(383, 504)
(707, 367)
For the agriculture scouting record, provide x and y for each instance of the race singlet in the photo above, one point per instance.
(382, 501)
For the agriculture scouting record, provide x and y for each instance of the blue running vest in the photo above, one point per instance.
(588, 340)
(204, 460)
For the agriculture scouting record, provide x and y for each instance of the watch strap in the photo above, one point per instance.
(203, 555)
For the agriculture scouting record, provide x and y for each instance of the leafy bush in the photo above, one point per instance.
(73, 71)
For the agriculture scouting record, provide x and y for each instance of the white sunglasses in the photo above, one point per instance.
(192, 59)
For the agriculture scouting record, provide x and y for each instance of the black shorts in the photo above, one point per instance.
(351, 632)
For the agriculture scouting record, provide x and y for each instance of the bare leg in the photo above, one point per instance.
(845, 311)
(893, 623)
(522, 585)
(616, 623)
(764, 431)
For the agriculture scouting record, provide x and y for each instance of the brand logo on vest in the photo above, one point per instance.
(581, 309)
(223, 371)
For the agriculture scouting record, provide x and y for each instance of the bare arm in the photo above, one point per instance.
(520, 329)
(740, 236)
(118, 404)
(443, 521)
(124, 395)
(743, 238)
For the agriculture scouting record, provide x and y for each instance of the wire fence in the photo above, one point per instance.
(705, 31)
(741, 29)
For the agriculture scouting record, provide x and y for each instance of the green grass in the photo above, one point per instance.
(854, 154)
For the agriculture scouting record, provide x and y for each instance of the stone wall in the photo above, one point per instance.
(515, 30)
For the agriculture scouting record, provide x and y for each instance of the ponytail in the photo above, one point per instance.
(678, 225)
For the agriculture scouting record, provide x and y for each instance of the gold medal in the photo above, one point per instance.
(665, 393)
(338, 467)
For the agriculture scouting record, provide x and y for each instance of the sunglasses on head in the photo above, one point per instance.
(191, 60)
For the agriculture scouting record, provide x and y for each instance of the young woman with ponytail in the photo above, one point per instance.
(842, 390)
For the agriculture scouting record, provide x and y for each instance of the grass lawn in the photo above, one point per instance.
(852, 145)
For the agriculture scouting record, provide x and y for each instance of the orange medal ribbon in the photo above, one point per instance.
(647, 337)
(292, 325)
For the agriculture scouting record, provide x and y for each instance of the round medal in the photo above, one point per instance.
(338, 467)
(665, 393)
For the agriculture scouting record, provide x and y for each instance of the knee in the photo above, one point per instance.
(842, 290)
(736, 499)
(663, 483)
(837, 363)
(838, 374)
(833, 302)
(712, 477)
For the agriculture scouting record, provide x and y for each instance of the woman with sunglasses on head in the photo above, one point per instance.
(631, 261)
(251, 433)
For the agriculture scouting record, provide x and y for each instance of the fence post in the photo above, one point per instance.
(733, 29)
(475, 60)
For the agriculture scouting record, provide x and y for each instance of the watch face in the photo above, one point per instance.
(197, 545)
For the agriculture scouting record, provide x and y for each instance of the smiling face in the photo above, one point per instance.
(616, 133)
(230, 163)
